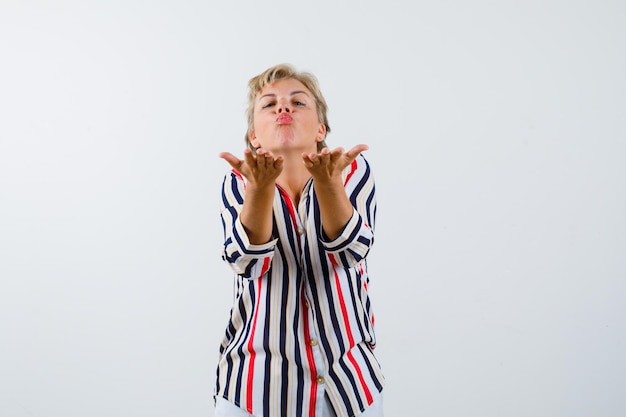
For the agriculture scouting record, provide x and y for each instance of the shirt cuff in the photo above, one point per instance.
(347, 235)
(252, 250)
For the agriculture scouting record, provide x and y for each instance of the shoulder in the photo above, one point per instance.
(234, 186)
(234, 176)
(357, 174)
(359, 164)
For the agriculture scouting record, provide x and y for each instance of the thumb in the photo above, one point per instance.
(355, 151)
(232, 160)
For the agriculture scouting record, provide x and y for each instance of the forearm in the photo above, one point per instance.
(256, 213)
(335, 207)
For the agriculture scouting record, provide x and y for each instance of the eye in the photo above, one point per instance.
(299, 103)
(267, 105)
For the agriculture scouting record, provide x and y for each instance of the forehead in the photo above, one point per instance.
(287, 86)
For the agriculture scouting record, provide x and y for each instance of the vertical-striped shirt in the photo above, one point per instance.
(298, 291)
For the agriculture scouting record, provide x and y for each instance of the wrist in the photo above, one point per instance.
(326, 182)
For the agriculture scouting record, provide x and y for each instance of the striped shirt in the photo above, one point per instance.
(299, 292)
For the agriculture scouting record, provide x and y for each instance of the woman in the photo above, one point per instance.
(298, 223)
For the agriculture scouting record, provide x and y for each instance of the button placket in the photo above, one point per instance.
(317, 351)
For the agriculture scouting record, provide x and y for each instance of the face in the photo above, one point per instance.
(285, 119)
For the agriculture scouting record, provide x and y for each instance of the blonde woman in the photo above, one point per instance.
(298, 223)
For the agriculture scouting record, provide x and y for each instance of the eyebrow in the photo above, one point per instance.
(293, 93)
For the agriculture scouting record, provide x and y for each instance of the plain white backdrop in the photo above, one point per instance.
(497, 137)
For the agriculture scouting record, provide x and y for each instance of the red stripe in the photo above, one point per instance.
(352, 171)
(368, 394)
(344, 311)
(266, 266)
(309, 356)
(237, 173)
(346, 321)
(251, 348)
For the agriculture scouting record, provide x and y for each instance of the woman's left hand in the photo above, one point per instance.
(328, 165)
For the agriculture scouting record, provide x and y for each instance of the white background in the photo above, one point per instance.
(497, 137)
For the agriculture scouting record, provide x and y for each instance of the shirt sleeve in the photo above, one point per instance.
(357, 237)
(247, 260)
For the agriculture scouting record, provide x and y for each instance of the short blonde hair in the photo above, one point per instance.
(283, 72)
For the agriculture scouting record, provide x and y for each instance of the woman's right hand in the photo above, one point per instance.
(260, 170)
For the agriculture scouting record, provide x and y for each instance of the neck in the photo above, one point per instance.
(293, 178)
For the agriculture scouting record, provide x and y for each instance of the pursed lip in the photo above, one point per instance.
(284, 119)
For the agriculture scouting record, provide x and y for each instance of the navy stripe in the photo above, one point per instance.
(248, 251)
(371, 216)
(370, 368)
(351, 378)
(244, 318)
(344, 259)
(361, 184)
(291, 239)
(343, 393)
(233, 257)
(235, 189)
(240, 352)
(353, 235)
(356, 298)
(297, 357)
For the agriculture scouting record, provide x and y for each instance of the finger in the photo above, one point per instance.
(249, 158)
(278, 162)
(352, 153)
(337, 153)
(231, 159)
(306, 158)
(269, 157)
(324, 156)
(261, 158)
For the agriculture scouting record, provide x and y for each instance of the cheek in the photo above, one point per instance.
(261, 122)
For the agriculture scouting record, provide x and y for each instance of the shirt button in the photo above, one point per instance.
(313, 342)
(301, 231)
(320, 379)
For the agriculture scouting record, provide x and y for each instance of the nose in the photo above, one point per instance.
(283, 106)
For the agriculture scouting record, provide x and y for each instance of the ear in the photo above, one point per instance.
(253, 140)
(321, 133)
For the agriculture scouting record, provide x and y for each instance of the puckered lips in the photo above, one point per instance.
(284, 119)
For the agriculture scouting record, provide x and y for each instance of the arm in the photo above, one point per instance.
(261, 172)
(356, 234)
(326, 169)
(248, 256)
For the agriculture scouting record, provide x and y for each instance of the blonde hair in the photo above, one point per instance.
(283, 72)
